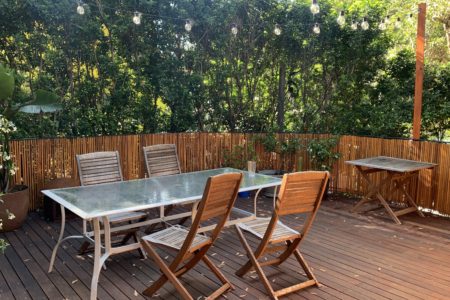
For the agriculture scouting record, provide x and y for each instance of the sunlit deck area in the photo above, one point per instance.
(354, 257)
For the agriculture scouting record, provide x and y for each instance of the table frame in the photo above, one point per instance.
(398, 180)
(103, 252)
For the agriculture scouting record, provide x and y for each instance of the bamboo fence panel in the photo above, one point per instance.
(41, 160)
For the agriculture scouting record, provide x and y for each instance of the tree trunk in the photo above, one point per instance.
(281, 96)
(447, 35)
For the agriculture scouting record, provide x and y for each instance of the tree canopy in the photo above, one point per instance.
(115, 77)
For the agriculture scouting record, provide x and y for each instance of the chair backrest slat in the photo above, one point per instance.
(161, 160)
(99, 167)
(300, 192)
(218, 199)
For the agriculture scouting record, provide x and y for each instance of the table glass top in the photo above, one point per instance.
(105, 199)
(391, 164)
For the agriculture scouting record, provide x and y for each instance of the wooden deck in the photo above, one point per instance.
(353, 256)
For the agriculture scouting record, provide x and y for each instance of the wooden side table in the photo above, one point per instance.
(398, 172)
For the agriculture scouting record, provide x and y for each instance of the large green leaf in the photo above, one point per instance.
(6, 83)
(45, 102)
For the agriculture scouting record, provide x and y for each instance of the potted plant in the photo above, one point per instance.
(285, 149)
(241, 157)
(15, 200)
(323, 154)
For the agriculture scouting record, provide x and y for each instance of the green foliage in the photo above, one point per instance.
(269, 142)
(436, 113)
(6, 83)
(286, 148)
(10, 106)
(239, 156)
(322, 153)
(114, 77)
(3, 245)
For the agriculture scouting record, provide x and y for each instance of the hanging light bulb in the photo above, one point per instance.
(398, 23)
(277, 29)
(410, 18)
(315, 9)
(316, 28)
(80, 8)
(354, 25)
(137, 18)
(341, 19)
(387, 20)
(364, 24)
(234, 29)
(188, 25)
(382, 25)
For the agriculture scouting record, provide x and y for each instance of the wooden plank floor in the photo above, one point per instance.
(353, 256)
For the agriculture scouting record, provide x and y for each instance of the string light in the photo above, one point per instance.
(137, 18)
(277, 29)
(315, 9)
(364, 24)
(80, 8)
(234, 29)
(316, 28)
(382, 25)
(398, 23)
(188, 25)
(341, 19)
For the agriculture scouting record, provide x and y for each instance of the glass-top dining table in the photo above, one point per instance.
(98, 203)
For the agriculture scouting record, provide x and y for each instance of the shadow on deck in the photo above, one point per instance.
(353, 256)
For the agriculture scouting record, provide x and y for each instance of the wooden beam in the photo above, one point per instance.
(420, 59)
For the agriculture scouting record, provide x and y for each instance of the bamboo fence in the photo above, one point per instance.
(41, 160)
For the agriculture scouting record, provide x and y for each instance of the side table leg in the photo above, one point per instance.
(410, 199)
(388, 209)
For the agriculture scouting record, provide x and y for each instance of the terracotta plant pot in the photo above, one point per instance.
(17, 203)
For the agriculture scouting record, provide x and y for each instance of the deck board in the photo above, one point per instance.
(353, 256)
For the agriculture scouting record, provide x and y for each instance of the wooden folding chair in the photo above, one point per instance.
(162, 160)
(104, 167)
(299, 193)
(218, 199)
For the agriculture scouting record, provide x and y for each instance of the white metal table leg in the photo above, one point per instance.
(254, 201)
(60, 239)
(99, 259)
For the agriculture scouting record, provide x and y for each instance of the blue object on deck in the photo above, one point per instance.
(244, 194)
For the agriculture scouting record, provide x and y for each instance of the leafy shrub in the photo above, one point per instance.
(322, 153)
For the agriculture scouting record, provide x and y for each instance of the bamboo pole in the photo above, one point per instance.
(420, 59)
